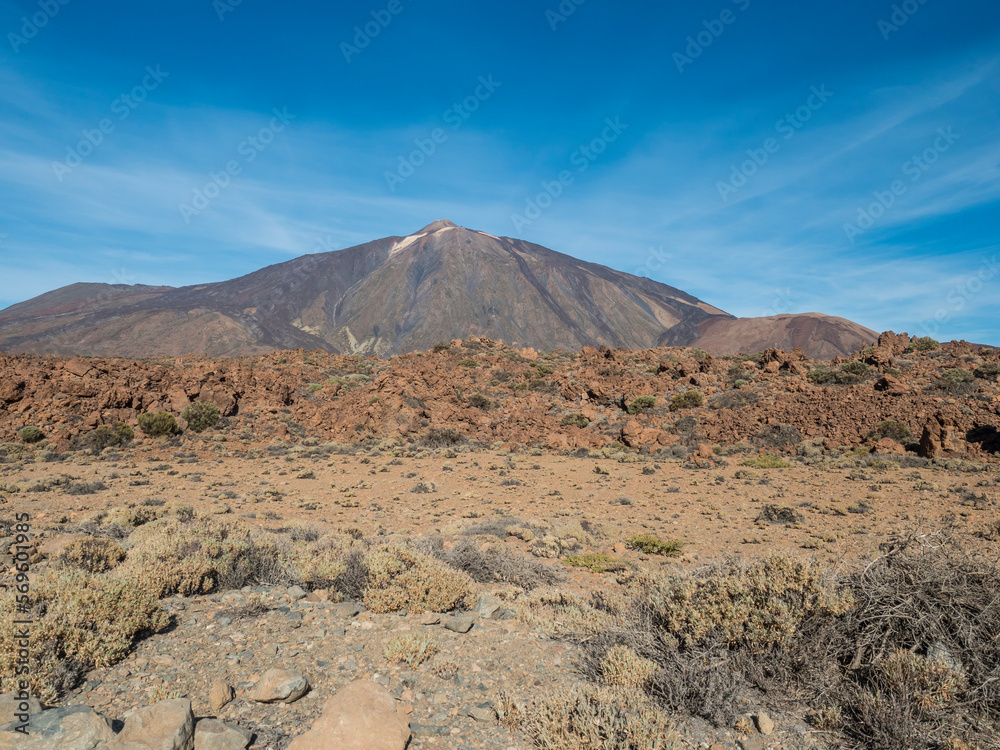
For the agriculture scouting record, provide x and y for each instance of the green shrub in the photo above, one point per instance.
(103, 436)
(687, 400)
(160, 424)
(441, 346)
(642, 403)
(892, 429)
(467, 363)
(989, 371)
(542, 369)
(596, 562)
(479, 401)
(31, 435)
(201, 416)
(821, 375)
(653, 545)
(765, 461)
(955, 376)
(442, 438)
(575, 420)
(923, 344)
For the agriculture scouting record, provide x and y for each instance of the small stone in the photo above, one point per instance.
(483, 712)
(764, 724)
(297, 592)
(487, 606)
(221, 694)
(430, 618)
(212, 734)
(280, 685)
(346, 610)
(460, 624)
(750, 743)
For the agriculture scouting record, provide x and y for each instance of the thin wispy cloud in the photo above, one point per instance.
(374, 147)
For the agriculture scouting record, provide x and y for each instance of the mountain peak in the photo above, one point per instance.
(437, 226)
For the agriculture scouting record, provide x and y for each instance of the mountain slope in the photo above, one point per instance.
(402, 294)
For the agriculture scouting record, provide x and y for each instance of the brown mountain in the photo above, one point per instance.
(402, 294)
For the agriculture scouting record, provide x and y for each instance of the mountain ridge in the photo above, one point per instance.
(399, 294)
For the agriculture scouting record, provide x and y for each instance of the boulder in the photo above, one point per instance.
(220, 694)
(942, 438)
(167, 725)
(361, 716)
(11, 704)
(69, 728)
(212, 734)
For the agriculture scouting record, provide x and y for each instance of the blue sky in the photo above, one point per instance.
(840, 157)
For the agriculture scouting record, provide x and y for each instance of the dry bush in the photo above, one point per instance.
(170, 556)
(557, 612)
(705, 682)
(401, 577)
(599, 719)
(81, 621)
(92, 555)
(623, 667)
(938, 600)
(413, 649)
(489, 564)
(756, 605)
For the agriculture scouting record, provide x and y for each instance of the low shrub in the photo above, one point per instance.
(988, 371)
(31, 435)
(686, 400)
(104, 436)
(778, 436)
(201, 416)
(492, 565)
(92, 555)
(161, 424)
(653, 545)
(923, 344)
(599, 719)
(575, 420)
(401, 577)
(479, 401)
(412, 649)
(80, 621)
(759, 605)
(765, 461)
(597, 562)
(893, 430)
(642, 403)
(442, 438)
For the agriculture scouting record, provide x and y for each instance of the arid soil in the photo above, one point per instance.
(400, 448)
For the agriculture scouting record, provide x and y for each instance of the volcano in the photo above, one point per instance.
(401, 294)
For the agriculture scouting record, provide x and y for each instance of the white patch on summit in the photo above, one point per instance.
(442, 225)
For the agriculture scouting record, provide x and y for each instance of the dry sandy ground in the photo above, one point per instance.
(847, 509)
